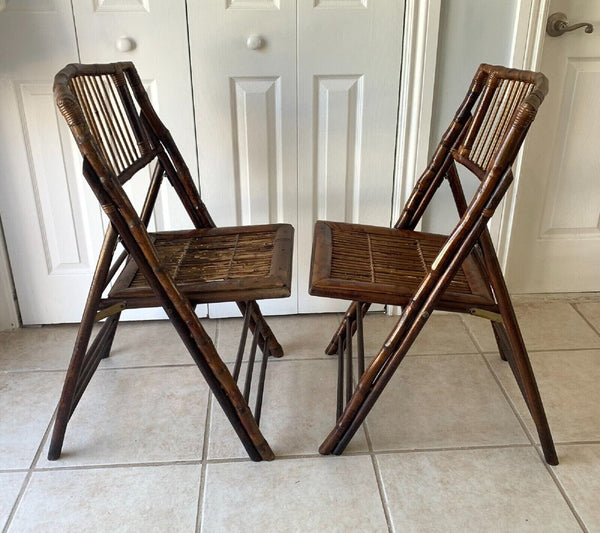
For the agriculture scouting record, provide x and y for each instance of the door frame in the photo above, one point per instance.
(419, 57)
(526, 53)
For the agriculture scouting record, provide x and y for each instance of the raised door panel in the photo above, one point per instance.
(555, 241)
(244, 77)
(348, 86)
(51, 223)
(152, 34)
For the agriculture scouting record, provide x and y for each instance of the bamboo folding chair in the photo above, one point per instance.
(119, 135)
(422, 271)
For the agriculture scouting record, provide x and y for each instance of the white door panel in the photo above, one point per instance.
(555, 245)
(48, 237)
(245, 103)
(157, 31)
(349, 73)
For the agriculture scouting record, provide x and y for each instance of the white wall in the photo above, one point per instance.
(8, 311)
(471, 32)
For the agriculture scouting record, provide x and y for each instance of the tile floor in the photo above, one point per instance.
(448, 447)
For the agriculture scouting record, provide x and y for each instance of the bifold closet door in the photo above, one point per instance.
(243, 56)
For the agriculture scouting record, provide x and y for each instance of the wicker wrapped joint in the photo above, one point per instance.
(423, 272)
(119, 135)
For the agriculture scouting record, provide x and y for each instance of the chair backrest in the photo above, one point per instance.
(118, 133)
(485, 136)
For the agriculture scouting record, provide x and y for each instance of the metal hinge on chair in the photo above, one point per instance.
(112, 310)
(489, 315)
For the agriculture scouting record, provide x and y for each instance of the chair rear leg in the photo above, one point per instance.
(523, 373)
(341, 332)
(266, 334)
(82, 367)
(517, 355)
(506, 353)
(501, 340)
(373, 381)
(84, 361)
(110, 335)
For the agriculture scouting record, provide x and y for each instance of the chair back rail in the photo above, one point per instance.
(499, 99)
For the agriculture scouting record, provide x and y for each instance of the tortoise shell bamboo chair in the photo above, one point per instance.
(423, 272)
(119, 135)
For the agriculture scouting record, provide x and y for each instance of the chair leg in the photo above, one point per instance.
(84, 361)
(501, 340)
(523, 373)
(110, 336)
(257, 318)
(372, 383)
(341, 332)
(82, 367)
(517, 354)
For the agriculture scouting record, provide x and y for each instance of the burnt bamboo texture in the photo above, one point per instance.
(423, 272)
(119, 136)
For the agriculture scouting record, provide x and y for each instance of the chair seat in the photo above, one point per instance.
(216, 265)
(384, 265)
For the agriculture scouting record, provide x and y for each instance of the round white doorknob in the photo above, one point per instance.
(254, 42)
(125, 44)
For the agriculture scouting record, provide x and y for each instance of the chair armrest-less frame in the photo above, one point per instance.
(119, 134)
(423, 272)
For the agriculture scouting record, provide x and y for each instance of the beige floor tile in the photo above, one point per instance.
(579, 474)
(299, 335)
(37, 348)
(27, 402)
(10, 485)
(298, 412)
(568, 383)
(545, 326)
(161, 498)
(150, 343)
(315, 494)
(442, 401)
(473, 490)
(591, 311)
(137, 415)
(442, 334)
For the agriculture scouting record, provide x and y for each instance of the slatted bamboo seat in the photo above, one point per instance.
(119, 134)
(423, 272)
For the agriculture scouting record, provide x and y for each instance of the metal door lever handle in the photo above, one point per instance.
(558, 24)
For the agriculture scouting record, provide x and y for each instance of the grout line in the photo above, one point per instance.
(537, 449)
(30, 472)
(202, 488)
(585, 318)
(554, 475)
(378, 479)
(115, 466)
(473, 447)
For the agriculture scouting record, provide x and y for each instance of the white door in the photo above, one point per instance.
(296, 106)
(555, 242)
(243, 55)
(53, 224)
(41, 202)
(348, 86)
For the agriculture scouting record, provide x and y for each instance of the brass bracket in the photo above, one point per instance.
(111, 310)
(490, 315)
